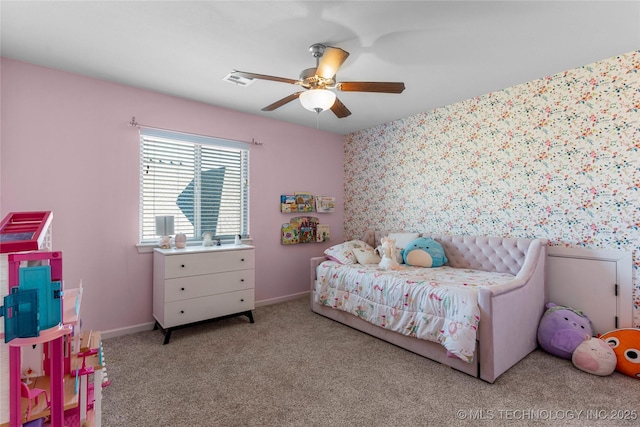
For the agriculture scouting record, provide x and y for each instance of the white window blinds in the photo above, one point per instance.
(201, 181)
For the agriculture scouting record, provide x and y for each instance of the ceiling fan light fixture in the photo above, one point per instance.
(317, 100)
(314, 95)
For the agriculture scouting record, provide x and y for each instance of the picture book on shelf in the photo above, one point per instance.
(322, 233)
(290, 234)
(304, 202)
(325, 204)
(288, 203)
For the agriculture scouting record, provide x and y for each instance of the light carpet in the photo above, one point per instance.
(296, 368)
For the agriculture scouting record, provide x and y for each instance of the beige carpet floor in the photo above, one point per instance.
(296, 368)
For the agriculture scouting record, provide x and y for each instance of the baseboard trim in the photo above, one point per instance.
(281, 299)
(111, 333)
(149, 326)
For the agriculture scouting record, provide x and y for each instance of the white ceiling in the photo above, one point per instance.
(444, 51)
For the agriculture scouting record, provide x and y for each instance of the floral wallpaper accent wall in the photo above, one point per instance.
(556, 158)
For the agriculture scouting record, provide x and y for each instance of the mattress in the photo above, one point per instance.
(434, 304)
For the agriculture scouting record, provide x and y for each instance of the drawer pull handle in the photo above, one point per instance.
(242, 280)
(182, 289)
(182, 265)
(241, 299)
(242, 259)
(181, 311)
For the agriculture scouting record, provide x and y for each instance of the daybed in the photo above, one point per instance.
(509, 308)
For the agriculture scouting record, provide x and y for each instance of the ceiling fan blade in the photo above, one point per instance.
(340, 110)
(265, 77)
(384, 87)
(282, 102)
(331, 60)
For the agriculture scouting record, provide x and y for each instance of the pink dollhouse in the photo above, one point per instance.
(38, 312)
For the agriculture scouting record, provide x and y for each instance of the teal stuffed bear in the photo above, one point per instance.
(424, 252)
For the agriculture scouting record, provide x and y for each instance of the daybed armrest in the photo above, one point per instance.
(315, 262)
(531, 264)
(537, 249)
(509, 315)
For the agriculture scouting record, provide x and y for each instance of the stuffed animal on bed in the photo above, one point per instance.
(594, 356)
(562, 329)
(625, 343)
(424, 252)
(388, 252)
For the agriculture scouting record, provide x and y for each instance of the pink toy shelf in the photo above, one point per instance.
(24, 231)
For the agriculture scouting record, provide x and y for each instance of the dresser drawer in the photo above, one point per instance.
(207, 284)
(207, 262)
(188, 311)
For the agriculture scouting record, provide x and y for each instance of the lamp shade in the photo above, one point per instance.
(317, 100)
(164, 225)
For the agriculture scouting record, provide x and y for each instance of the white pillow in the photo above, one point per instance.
(366, 256)
(343, 253)
(403, 239)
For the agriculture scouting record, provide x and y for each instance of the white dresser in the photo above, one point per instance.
(200, 283)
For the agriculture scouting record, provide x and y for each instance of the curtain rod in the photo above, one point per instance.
(133, 123)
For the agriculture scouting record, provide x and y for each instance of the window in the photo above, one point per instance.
(201, 181)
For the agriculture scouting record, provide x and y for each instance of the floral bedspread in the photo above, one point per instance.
(434, 304)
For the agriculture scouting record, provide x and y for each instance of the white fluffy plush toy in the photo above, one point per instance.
(388, 252)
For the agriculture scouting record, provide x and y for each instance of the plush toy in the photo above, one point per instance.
(594, 356)
(562, 329)
(388, 252)
(424, 252)
(626, 346)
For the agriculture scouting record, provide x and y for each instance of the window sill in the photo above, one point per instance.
(147, 248)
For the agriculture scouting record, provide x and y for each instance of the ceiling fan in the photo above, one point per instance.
(317, 82)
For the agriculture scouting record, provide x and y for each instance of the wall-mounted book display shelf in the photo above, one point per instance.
(304, 229)
(306, 202)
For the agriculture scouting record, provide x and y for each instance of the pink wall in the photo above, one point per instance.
(66, 147)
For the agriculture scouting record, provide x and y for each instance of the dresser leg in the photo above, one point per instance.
(167, 336)
(249, 314)
(166, 332)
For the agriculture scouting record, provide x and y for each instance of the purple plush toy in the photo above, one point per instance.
(562, 329)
